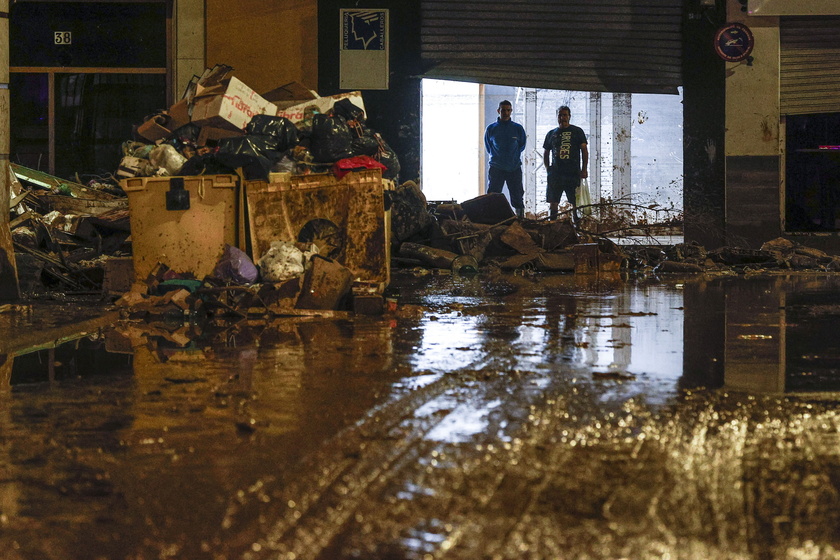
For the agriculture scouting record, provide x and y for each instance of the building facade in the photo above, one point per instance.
(752, 126)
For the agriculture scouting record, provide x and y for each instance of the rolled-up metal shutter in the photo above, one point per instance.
(630, 46)
(810, 65)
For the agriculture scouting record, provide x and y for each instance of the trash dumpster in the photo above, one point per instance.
(182, 222)
(347, 216)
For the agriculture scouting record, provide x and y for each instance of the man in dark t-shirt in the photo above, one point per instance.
(569, 161)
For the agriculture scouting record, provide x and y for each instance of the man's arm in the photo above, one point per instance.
(547, 148)
(523, 139)
(584, 160)
(487, 141)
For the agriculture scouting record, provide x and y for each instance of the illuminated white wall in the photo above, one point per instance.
(452, 145)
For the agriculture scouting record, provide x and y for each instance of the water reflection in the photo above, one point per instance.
(761, 334)
(605, 328)
(187, 438)
(758, 334)
(778, 334)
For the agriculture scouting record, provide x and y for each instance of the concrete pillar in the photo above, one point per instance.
(532, 157)
(753, 147)
(622, 126)
(9, 289)
(188, 43)
(594, 145)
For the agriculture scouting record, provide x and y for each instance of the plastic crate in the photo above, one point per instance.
(350, 210)
(187, 241)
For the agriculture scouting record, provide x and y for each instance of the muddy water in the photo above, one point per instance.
(490, 417)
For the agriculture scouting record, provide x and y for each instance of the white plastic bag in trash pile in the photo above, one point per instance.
(167, 157)
(284, 260)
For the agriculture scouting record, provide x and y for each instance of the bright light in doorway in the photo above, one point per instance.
(451, 153)
(634, 140)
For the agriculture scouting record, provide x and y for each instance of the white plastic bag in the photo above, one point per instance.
(167, 157)
(582, 198)
(284, 260)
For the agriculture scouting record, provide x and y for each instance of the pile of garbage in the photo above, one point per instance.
(289, 280)
(64, 232)
(220, 125)
(484, 232)
(777, 255)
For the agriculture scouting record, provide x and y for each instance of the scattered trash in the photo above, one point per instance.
(220, 125)
(225, 156)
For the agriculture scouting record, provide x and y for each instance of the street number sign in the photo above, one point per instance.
(63, 37)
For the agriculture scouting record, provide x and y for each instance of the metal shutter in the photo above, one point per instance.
(810, 65)
(630, 46)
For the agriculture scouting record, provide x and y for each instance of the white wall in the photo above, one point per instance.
(452, 140)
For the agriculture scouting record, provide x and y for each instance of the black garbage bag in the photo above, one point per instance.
(367, 145)
(331, 138)
(187, 133)
(205, 164)
(280, 128)
(349, 110)
(387, 157)
(364, 141)
(255, 154)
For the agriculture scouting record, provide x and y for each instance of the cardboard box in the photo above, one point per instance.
(229, 105)
(297, 112)
(154, 129)
(289, 94)
(179, 114)
(212, 77)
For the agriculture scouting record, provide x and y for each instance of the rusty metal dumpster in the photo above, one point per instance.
(348, 215)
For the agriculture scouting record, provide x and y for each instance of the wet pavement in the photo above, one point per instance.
(509, 417)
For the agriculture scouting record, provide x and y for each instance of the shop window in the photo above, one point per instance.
(812, 175)
(82, 74)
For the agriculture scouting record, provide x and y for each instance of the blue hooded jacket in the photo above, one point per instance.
(505, 142)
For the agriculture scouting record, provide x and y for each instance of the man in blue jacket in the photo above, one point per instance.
(505, 142)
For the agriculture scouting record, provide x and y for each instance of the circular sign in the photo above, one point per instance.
(734, 42)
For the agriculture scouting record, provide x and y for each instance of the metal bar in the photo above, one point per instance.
(83, 70)
(51, 121)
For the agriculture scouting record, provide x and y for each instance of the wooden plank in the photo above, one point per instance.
(51, 182)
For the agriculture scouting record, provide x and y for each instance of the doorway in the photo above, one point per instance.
(634, 140)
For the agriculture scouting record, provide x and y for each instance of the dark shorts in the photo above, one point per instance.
(559, 184)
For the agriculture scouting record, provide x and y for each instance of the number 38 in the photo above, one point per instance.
(62, 37)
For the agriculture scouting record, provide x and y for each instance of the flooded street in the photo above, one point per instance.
(507, 417)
